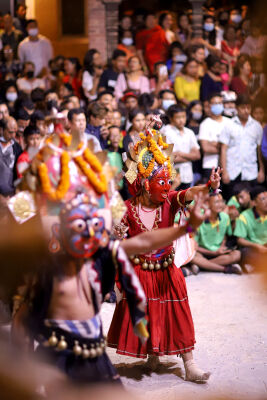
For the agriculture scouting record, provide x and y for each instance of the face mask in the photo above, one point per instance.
(33, 32)
(230, 112)
(29, 74)
(217, 109)
(197, 115)
(208, 27)
(167, 103)
(127, 41)
(12, 96)
(236, 18)
(180, 58)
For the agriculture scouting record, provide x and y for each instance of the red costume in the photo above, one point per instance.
(170, 322)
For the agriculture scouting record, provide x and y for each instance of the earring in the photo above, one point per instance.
(54, 245)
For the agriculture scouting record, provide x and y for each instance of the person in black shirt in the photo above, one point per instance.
(109, 77)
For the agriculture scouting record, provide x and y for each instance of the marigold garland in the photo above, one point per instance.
(64, 182)
(99, 185)
(145, 172)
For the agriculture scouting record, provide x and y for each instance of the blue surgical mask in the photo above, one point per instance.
(208, 27)
(216, 109)
(167, 103)
(196, 115)
(237, 18)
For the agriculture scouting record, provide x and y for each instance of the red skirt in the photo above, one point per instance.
(170, 323)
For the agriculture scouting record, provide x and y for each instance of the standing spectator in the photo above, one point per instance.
(212, 81)
(127, 44)
(229, 103)
(35, 48)
(9, 68)
(160, 81)
(186, 148)
(4, 112)
(166, 99)
(93, 69)
(209, 133)
(212, 253)
(38, 120)
(110, 75)
(32, 139)
(240, 148)
(11, 95)
(72, 69)
(176, 59)
(241, 80)
(133, 80)
(198, 53)
(11, 36)
(28, 82)
(184, 31)
(20, 21)
(166, 22)
(9, 153)
(230, 45)
(23, 120)
(97, 123)
(194, 117)
(151, 43)
(251, 228)
(137, 120)
(210, 40)
(115, 154)
(255, 43)
(187, 86)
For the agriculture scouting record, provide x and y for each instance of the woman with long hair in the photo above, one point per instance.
(92, 71)
(72, 76)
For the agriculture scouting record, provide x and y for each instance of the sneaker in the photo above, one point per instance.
(195, 269)
(248, 268)
(233, 269)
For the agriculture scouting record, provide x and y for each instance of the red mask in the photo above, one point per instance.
(159, 186)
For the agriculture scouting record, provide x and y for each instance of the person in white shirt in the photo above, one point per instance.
(209, 133)
(185, 145)
(240, 140)
(27, 83)
(35, 48)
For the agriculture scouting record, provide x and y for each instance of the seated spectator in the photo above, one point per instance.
(35, 48)
(186, 148)
(197, 52)
(126, 44)
(133, 80)
(258, 113)
(187, 85)
(209, 133)
(110, 75)
(10, 150)
(117, 118)
(11, 36)
(254, 44)
(241, 80)
(212, 253)
(240, 148)
(230, 46)
(160, 81)
(92, 71)
(251, 228)
(194, 117)
(72, 69)
(4, 111)
(28, 82)
(212, 81)
(64, 90)
(107, 99)
(151, 43)
(176, 60)
(115, 154)
(32, 139)
(166, 23)
(241, 199)
(166, 99)
(137, 120)
(226, 75)
(9, 67)
(147, 102)
(97, 123)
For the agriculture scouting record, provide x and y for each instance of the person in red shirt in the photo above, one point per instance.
(72, 76)
(151, 43)
(32, 138)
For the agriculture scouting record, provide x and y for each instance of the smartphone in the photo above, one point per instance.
(163, 70)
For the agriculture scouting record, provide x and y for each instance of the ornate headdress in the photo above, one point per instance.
(149, 153)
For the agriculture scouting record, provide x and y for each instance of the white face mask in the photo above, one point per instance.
(196, 115)
(180, 58)
(236, 18)
(11, 96)
(33, 32)
(167, 103)
(127, 41)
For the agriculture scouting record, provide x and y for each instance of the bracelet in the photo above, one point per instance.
(211, 190)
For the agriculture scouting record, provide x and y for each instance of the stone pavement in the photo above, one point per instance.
(230, 317)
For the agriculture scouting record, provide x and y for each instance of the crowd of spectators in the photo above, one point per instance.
(210, 92)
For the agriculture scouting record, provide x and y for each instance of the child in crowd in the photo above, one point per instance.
(212, 253)
(32, 139)
(186, 148)
(115, 154)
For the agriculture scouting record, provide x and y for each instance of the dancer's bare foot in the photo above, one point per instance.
(152, 362)
(193, 373)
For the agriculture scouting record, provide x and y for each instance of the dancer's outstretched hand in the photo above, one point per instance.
(200, 211)
(215, 177)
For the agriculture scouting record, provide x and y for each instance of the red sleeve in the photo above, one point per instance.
(177, 199)
(140, 40)
(23, 158)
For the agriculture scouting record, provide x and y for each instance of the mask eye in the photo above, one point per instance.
(169, 182)
(78, 225)
(161, 182)
(97, 224)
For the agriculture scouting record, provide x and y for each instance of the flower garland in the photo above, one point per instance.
(64, 182)
(145, 172)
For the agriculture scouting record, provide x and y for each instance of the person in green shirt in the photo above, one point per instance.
(251, 227)
(115, 154)
(241, 198)
(212, 253)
